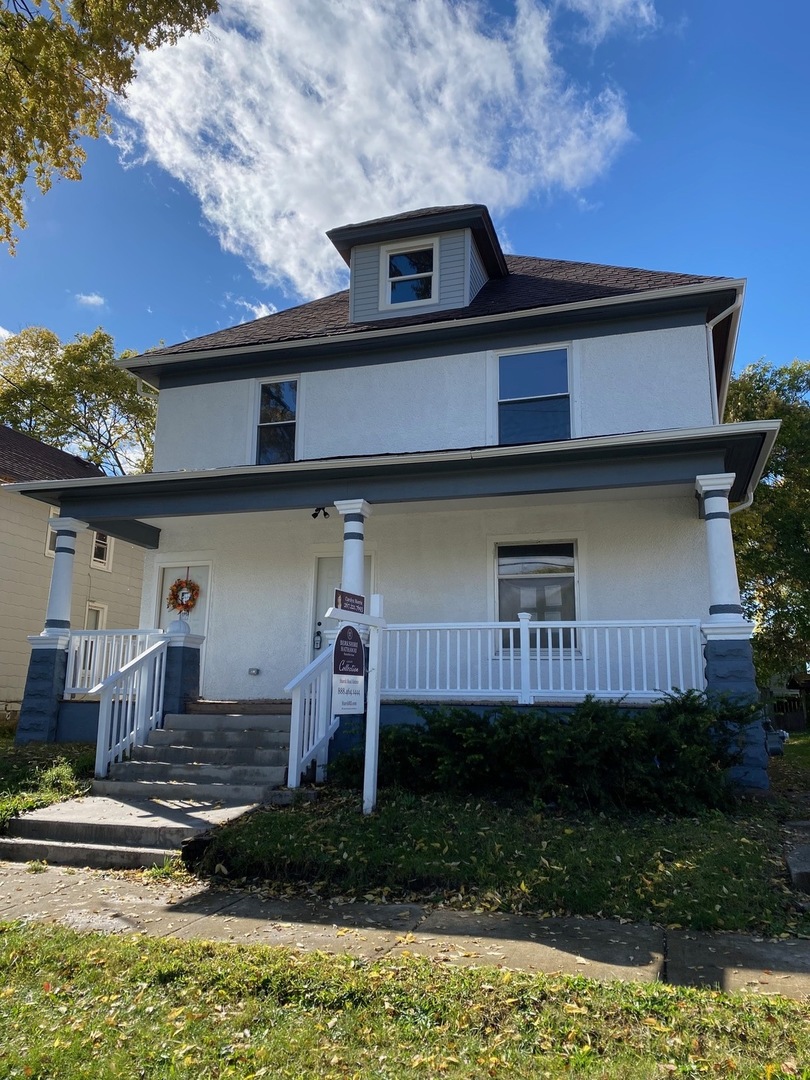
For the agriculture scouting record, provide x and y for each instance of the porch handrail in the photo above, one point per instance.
(312, 724)
(131, 705)
(93, 655)
(531, 660)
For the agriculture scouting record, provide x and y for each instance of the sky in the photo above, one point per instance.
(655, 133)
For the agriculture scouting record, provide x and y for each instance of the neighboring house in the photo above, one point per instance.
(532, 436)
(108, 572)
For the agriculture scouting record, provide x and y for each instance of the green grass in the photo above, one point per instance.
(38, 774)
(82, 1006)
(707, 873)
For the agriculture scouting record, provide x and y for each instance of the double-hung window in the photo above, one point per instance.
(101, 557)
(533, 399)
(540, 579)
(408, 274)
(277, 410)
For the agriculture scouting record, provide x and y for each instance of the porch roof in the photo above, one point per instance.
(117, 505)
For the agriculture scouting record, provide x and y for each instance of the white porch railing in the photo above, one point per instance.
(312, 724)
(94, 655)
(131, 705)
(532, 661)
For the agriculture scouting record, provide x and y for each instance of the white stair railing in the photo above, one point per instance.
(312, 724)
(94, 655)
(130, 706)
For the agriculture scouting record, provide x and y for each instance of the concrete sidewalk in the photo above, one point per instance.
(596, 948)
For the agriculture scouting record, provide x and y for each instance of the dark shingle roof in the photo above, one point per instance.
(23, 458)
(531, 283)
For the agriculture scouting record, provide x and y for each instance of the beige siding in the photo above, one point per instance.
(25, 574)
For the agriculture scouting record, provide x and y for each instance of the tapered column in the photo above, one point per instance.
(57, 616)
(724, 588)
(354, 513)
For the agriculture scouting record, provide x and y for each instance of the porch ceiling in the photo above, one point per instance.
(117, 505)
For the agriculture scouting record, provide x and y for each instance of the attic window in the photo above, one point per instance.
(407, 273)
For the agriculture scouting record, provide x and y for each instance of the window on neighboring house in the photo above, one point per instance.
(95, 617)
(540, 579)
(533, 399)
(277, 408)
(101, 557)
(50, 542)
(408, 274)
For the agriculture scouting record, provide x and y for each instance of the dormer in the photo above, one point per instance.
(419, 262)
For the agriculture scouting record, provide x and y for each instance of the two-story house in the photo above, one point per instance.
(106, 586)
(525, 457)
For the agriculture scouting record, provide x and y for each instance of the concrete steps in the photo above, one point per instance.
(200, 769)
(109, 832)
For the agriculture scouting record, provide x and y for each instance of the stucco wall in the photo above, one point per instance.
(640, 558)
(25, 574)
(619, 383)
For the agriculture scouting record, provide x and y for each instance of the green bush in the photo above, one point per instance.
(672, 755)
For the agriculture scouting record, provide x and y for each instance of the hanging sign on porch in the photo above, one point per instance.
(349, 601)
(348, 673)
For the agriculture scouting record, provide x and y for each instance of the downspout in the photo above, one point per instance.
(720, 393)
(747, 501)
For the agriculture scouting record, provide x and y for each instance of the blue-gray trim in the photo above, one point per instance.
(134, 532)
(63, 532)
(720, 514)
(182, 678)
(64, 550)
(353, 536)
(61, 624)
(354, 517)
(725, 609)
(445, 340)
(730, 677)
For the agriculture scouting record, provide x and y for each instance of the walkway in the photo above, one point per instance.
(597, 948)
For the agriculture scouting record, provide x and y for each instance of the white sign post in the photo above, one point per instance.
(376, 624)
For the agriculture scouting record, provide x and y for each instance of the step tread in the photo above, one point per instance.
(77, 853)
(226, 794)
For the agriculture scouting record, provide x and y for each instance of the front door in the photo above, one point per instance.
(328, 571)
(198, 616)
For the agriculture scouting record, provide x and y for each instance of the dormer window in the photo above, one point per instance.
(409, 273)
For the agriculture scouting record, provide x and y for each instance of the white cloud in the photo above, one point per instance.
(90, 299)
(609, 16)
(296, 116)
(256, 310)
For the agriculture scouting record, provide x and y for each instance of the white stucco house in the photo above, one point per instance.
(525, 457)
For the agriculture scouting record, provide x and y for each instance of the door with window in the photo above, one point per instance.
(328, 570)
(198, 616)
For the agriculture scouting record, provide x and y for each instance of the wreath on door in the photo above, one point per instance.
(183, 595)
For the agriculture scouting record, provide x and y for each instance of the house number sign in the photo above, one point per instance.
(348, 673)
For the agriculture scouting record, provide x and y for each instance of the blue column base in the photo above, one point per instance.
(730, 676)
(44, 687)
(182, 680)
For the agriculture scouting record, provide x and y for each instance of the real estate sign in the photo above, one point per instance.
(348, 673)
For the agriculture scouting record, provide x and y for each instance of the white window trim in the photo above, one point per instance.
(494, 392)
(97, 564)
(252, 449)
(101, 608)
(50, 532)
(416, 244)
(500, 540)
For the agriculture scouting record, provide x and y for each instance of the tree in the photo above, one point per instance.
(61, 60)
(74, 397)
(772, 538)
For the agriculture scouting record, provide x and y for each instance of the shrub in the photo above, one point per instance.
(672, 755)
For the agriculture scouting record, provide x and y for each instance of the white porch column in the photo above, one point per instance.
(57, 616)
(354, 513)
(724, 588)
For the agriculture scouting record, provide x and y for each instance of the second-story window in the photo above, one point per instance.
(533, 399)
(409, 274)
(101, 557)
(277, 408)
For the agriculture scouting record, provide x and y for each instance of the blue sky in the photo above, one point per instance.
(665, 135)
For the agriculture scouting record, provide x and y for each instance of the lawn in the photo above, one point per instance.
(38, 774)
(75, 1006)
(715, 871)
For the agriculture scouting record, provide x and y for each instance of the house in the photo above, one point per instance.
(106, 588)
(525, 457)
